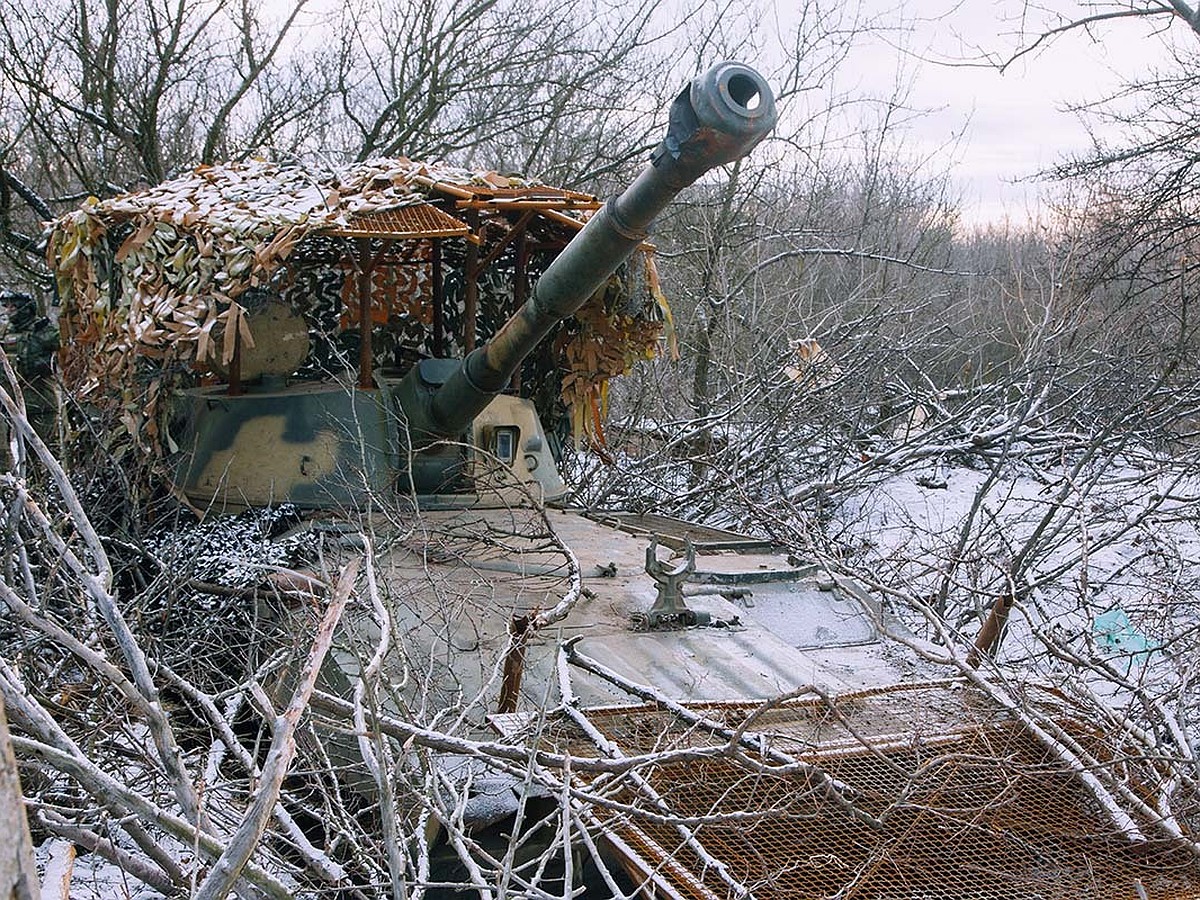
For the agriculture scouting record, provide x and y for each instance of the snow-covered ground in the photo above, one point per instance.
(1103, 556)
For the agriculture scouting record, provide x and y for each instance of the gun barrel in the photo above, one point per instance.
(717, 119)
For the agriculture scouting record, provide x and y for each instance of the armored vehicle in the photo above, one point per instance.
(703, 713)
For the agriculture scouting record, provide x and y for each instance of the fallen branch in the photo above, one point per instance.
(98, 585)
(786, 764)
(105, 848)
(371, 743)
(228, 868)
(123, 801)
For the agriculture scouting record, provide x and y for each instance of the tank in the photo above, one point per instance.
(706, 714)
(333, 446)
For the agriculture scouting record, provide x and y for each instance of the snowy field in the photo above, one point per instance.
(1107, 563)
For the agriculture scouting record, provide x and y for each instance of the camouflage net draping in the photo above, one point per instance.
(613, 330)
(150, 281)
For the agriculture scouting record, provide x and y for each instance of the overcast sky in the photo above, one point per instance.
(1001, 128)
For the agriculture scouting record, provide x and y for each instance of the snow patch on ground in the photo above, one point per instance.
(90, 876)
(234, 551)
(1109, 561)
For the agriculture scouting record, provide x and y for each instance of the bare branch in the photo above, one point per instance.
(236, 856)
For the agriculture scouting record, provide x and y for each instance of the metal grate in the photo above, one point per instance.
(420, 220)
(972, 806)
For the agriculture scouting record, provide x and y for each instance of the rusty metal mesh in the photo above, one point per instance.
(406, 222)
(971, 805)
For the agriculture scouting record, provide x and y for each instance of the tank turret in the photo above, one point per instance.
(329, 444)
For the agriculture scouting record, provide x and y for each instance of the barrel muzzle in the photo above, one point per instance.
(717, 119)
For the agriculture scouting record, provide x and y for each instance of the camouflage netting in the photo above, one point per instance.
(608, 336)
(153, 284)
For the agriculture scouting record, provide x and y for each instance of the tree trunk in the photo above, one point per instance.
(18, 877)
(701, 398)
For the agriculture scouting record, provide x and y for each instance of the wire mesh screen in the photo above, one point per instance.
(966, 801)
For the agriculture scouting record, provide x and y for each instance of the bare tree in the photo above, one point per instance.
(543, 89)
(119, 92)
(1129, 202)
(103, 96)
